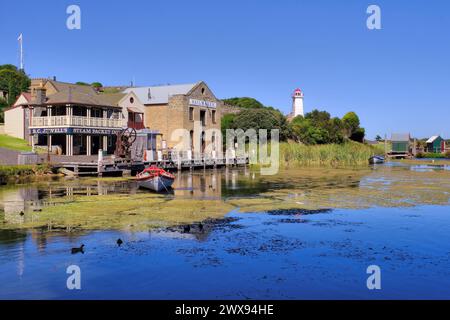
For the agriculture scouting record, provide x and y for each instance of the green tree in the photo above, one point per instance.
(262, 118)
(227, 122)
(317, 127)
(13, 82)
(358, 135)
(81, 83)
(96, 85)
(245, 102)
(378, 138)
(3, 105)
(351, 123)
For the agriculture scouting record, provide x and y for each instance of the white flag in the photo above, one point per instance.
(20, 38)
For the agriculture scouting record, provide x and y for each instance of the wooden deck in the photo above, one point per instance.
(117, 167)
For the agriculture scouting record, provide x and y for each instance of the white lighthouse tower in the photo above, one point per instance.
(297, 103)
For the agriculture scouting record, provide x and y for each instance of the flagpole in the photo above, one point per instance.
(21, 51)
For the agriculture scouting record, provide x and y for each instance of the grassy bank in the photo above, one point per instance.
(22, 171)
(348, 154)
(12, 143)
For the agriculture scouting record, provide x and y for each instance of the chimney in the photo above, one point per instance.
(38, 95)
(54, 78)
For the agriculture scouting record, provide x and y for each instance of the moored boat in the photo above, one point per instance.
(376, 160)
(155, 179)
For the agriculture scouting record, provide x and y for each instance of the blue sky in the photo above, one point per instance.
(396, 79)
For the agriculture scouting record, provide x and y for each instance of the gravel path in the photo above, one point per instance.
(8, 157)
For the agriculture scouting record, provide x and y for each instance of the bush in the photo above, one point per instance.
(430, 155)
(447, 154)
(420, 155)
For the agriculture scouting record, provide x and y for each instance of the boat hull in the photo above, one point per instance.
(158, 184)
(376, 160)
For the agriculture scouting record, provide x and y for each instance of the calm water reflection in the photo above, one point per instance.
(261, 255)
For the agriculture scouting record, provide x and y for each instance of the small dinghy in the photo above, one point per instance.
(376, 160)
(155, 179)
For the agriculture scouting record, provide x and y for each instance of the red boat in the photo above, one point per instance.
(155, 179)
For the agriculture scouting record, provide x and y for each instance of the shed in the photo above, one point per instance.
(436, 144)
(400, 142)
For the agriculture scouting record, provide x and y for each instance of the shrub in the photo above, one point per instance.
(420, 155)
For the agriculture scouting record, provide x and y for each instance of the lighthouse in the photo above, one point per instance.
(297, 103)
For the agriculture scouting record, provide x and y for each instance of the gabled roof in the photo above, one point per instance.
(160, 94)
(401, 137)
(27, 97)
(71, 96)
(64, 86)
(432, 139)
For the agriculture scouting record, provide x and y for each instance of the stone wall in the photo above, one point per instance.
(167, 118)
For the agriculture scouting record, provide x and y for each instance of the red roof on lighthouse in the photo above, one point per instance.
(298, 92)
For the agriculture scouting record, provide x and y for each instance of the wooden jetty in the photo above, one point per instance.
(110, 166)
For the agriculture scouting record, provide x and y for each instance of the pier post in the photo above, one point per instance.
(179, 160)
(100, 163)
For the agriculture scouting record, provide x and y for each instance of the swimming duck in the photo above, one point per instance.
(78, 250)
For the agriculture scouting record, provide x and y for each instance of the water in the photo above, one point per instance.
(273, 253)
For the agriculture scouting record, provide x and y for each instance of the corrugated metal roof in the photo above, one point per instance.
(159, 94)
(400, 137)
(431, 140)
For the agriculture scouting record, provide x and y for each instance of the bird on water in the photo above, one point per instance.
(78, 250)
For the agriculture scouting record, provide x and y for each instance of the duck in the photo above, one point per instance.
(200, 226)
(187, 229)
(78, 250)
(22, 213)
(119, 242)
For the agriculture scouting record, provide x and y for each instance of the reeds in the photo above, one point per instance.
(334, 155)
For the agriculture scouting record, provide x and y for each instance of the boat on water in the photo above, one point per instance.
(376, 160)
(156, 179)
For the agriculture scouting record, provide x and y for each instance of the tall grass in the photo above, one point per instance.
(347, 154)
(23, 171)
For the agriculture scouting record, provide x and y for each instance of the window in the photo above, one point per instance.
(203, 117)
(203, 91)
(79, 111)
(96, 113)
(191, 114)
(213, 116)
(131, 100)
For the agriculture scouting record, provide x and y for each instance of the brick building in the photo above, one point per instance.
(192, 107)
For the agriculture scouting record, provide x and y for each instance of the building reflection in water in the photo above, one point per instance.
(23, 203)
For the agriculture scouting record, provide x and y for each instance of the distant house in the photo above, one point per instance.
(436, 144)
(401, 144)
(17, 117)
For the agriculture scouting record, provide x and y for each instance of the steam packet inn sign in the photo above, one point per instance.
(92, 131)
